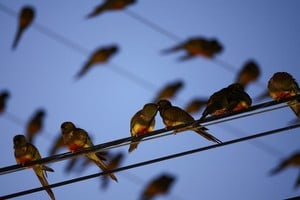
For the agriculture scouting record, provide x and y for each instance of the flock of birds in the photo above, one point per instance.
(281, 85)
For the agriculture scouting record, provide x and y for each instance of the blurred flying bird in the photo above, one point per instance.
(173, 116)
(24, 152)
(283, 85)
(35, 124)
(102, 55)
(4, 95)
(249, 73)
(77, 139)
(231, 98)
(292, 161)
(26, 16)
(197, 46)
(169, 91)
(141, 123)
(158, 186)
(195, 105)
(110, 5)
(57, 144)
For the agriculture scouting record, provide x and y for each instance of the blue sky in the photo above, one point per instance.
(40, 73)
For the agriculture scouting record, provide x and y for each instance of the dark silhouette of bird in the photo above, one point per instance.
(110, 5)
(76, 139)
(4, 95)
(195, 105)
(173, 116)
(283, 85)
(35, 124)
(58, 143)
(26, 16)
(113, 163)
(25, 151)
(100, 56)
(249, 73)
(291, 161)
(231, 98)
(169, 91)
(160, 185)
(198, 46)
(142, 122)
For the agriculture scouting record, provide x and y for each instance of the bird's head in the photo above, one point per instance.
(67, 127)
(19, 141)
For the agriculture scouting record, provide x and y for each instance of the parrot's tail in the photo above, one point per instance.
(42, 178)
(17, 38)
(295, 106)
(279, 168)
(201, 130)
(297, 183)
(133, 145)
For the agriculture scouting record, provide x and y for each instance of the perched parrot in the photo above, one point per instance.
(249, 73)
(141, 123)
(76, 139)
(26, 16)
(198, 46)
(4, 95)
(58, 143)
(158, 186)
(195, 105)
(169, 91)
(113, 164)
(110, 5)
(292, 161)
(24, 152)
(35, 124)
(231, 98)
(282, 85)
(173, 116)
(101, 55)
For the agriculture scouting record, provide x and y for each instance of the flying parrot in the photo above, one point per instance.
(195, 105)
(4, 95)
(24, 152)
(173, 116)
(76, 139)
(35, 124)
(142, 122)
(249, 73)
(169, 91)
(57, 144)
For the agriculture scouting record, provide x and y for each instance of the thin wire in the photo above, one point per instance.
(156, 160)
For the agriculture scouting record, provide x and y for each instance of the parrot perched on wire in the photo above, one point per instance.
(173, 116)
(198, 46)
(26, 17)
(158, 186)
(24, 152)
(283, 85)
(195, 105)
(110, 5)
(142, 122)
(35, 124)
(231, 98)
(292, 161)
(249, 73)
(169, 91)
(102, 55)
(77, 139)
(4, 95)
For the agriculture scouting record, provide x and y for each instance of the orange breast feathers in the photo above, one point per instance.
(141, 129)
(24, 159)
(76, 145)
(282, 95)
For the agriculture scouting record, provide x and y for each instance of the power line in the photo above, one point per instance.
(156, 160)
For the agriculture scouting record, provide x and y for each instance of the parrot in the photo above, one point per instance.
(293, 160)
(76, 139)
(172, 116)
(249, 73)
(283, 85)
(35, 124)
(169, 91)
(4, 95)
(142, 122)
(102, 55)
(58, 143)
(195, 105)
(231, 98)
(158, 186)
(110, 5)
(197, 46)
(24, 151)
(26, 17)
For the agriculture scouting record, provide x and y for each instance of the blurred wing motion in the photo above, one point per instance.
(76, 139)
(158, 186)
(195, 105)
(26, 16)
(114, 163)
(4, 95)
(173, 116)
(35, 124)
(248, 74)
(100, 56)
(24, 152)
(57, 144)
(282, 85)
(141, 123)
(110, 5)
(169, 91)
(231, 98)
(198, 46)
